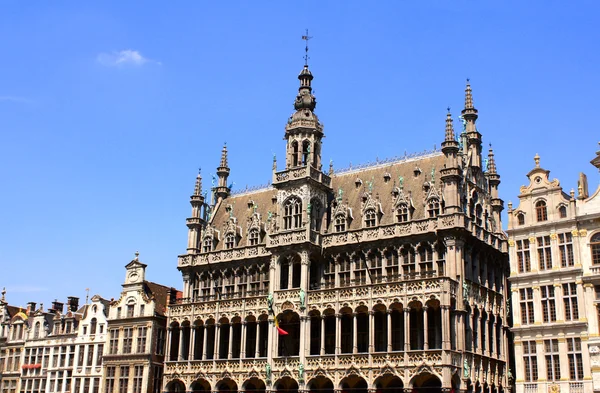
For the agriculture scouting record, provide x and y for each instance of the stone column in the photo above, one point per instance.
(445, 327)
(389, 330)
(407, 329)
(193, 330)
(338, 334)
(169, 338)
(217, 338)
(204, 341)
(302, 354)
(425, 329)
(372, 331)
(180, 349)
(304, 277)
(354, 334)
(322, 351)
(257, 349)
(560, 305)
(243, 343)
(230, 349)
(270, 341)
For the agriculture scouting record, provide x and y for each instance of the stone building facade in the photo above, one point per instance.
(135, 342)
(380, 278)
(554, 240)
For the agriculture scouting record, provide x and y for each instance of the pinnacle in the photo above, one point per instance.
(468, 96)
(198, 186)
(491, 162)
(224, 156)
(449, 128)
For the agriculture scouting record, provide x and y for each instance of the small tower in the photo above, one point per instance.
(196, 222)
(494, 181)
(303, 131)
(469, 114)
(451, 174)
(222, 191)
(135, 272)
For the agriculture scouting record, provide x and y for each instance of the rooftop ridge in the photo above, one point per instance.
(252, 189)
(388, 161)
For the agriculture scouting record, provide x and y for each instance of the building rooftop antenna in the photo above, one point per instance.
(306, 38)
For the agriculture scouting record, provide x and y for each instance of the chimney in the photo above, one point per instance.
(73, 303)
(57, 306)
(30, 307)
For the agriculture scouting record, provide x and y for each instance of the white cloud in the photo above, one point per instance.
(21, 100)
(126, 57)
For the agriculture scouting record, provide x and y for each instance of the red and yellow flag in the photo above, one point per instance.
(280, 330)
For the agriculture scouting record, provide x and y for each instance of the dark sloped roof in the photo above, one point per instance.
(162, 295)
(384, 177)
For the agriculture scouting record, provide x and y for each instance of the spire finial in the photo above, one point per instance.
(198, 186)
(491, 167)
(3, 294)
(224, 156)
(449, 127)
(468, 96)
(306, 38)
(137, 255)
(537, 160)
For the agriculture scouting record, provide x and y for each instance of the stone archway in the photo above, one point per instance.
(175, 386)
(286, 385)
(354, 384)
(227, 385)
(200, 386)
(389, 383)
(254, 385)
(320, 384)
(427, 383)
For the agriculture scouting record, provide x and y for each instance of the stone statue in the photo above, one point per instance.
(301, 372)
(213, 178)
(433, 174)
(302, 299)
(268, 372)
(270, 303)
(340, 194)
(466, 369)
(401, 182)
(464, 122)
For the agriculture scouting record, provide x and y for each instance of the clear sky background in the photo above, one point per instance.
(107, 109)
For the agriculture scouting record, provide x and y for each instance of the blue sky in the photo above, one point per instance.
(108, 109)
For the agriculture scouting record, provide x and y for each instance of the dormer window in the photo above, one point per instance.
(370, 218)
(340, 223)
(229, 241)
(292, 216)
(402, 213)
(562, 212)
(253, 237)
(433, 208)
(541, 211)
(521, 218)
(207, 244)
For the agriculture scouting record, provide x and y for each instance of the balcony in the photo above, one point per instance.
(301, 172)
(530, 388)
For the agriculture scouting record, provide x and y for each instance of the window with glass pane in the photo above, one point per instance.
(570, 301)
(527, 315)
(595, 248)
(565, 246)
(370, 218)
(402, 213)
(541, 211)
(548, 303)
(340, 223)
(544, 252)
(552, 359)
(523, 256)
(530, 361)
(575, 358)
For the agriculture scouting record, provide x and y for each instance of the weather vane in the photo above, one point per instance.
(306, 38)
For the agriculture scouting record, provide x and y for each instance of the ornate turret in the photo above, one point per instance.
(222, 191)
(303, 131)
(196, 221)
(494, 182)
(469, 114)
(450, 174)
(596, 161)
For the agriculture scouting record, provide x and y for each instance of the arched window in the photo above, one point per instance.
(207, 244)
(595, 248)
(541, 211)
(426, 260)
(433, 208)
(340, 223)
(402, 213)
(521, 218)
(562, 211)
(305, 152)
(478, 215)
(294, 153)
(316, 214)
(230, 240)
(292, 215)
(253, 237)
(408, 261)
(36, 331)
(370, 218)
(93, 324)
